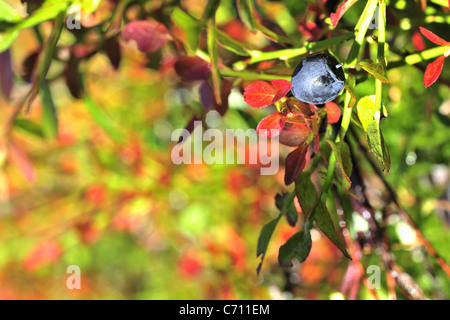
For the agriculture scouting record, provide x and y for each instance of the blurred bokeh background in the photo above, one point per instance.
(104, 194)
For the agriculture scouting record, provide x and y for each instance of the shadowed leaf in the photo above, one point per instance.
(377, 146)
(298, 246)
(295, 162)
(281, 201)
(149, 36)
(264, 239)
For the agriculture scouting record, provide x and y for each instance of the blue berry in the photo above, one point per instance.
(317, 79)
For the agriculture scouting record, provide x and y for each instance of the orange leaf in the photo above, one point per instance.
(433, 38)
(270, 126)
(259, 94)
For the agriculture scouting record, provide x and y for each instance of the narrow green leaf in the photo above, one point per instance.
(342, 153)
(8, 14)
(29, 126)
(230, 43)
(272, 35)
(378, 70)
(306, 193)
(264, 239)
(212, 50)
(49, 114)
(45, 59)
(284, 200)
(103, 120)
(298, 246)
(245, 10)
(377, 146)
(325, 224)
(210, 10)
(190, 26)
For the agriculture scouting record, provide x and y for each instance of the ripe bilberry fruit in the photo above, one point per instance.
(317, 79)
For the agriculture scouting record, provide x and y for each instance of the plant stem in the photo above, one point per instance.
(258, 56)
(380, 55)
(252, 75)
(420, 56)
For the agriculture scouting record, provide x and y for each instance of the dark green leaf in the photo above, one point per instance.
(49, 114)
(284, 200)
(377, 146)
(211, 9)
(263, 240)
(29, 126)
(306, 193)
(325, 224)
(298, 246)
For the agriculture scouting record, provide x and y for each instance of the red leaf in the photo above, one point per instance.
(6, 74)
(270, 126)
(433, 71)
(293, 134)
(433, 38)
(333, 112)
(295, 162)
(282, 87)
(192, 68)
(41, 254)
(310, 30)
(149, 36)
(418, 42)
(259, 94)
(343, 7)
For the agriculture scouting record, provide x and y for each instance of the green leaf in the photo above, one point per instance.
(377, 146)
(210, 10)
(263, 240)
(103, 120)
(230, 43)
(245, 10)
(190, 26)
(49, 114)
(212, 50)
(8, 14)
(298, 246)
(366, 110)
(272, 35)
(285, 201)
(378, 70)
(325, 224)
(342, 153)
(306, 193)
(29, 126)
(45, 59)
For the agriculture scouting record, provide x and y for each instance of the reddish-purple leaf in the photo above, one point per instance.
(343, 7)
(192, 68)
(282, 87)
(6, 74)
(295, 162)
(433, 38)
(112, 50)
(149, 36)
(206, 95)
(259, 94)
(270, 126)
(433, 71)
(333, 112)
(293, 134)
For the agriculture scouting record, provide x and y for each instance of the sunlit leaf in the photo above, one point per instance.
(378, 70)
(282, 87)
(214, 56)
(231, 44)
(342, 153)
(343, 7)
(259, 94)
(245, 10)
(433, 71)
(190, 26)
(365, 109)
(270, 126)
(434, 38)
